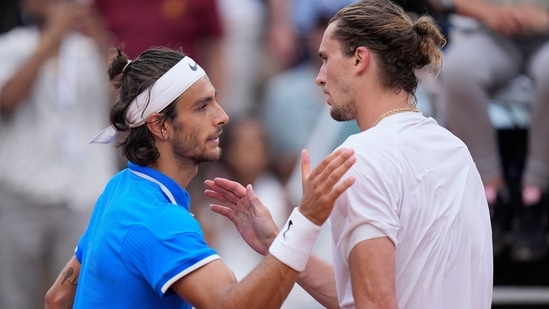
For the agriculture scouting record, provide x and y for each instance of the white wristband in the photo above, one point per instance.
(294, 243)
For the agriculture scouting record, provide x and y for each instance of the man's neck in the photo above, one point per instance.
(181, 173)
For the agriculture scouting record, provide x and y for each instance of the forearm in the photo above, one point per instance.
(507, 20)
(215, 286)
(473, 8)
(275, 279)
(292, 248)
(61, 294)
(21, 83)
(319, 281)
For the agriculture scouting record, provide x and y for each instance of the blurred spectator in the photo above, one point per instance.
(53, 98)
(438, 9)
(512, 39)
(243, 54)
(289, 24)
(193, 25)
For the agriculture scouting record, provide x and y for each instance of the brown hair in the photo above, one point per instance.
(401, 45)
(132, 78)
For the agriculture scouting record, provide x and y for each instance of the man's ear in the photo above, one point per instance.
(361, 59)
(157, 126)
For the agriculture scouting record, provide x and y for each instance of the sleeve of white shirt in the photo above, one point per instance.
(371, 204)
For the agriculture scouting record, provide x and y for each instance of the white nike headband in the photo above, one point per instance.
(154, 99)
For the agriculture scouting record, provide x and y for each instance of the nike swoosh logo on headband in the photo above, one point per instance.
(193, 67)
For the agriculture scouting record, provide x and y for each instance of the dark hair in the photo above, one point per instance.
(401, 45)
(132, 78)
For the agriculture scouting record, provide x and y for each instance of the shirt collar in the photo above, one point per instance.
(174, 193)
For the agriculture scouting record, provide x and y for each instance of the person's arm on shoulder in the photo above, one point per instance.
(471, 8)
(62, 292)
(372, 269)
(507, 20)
(502, 19)
(268, 285)
(534, 20)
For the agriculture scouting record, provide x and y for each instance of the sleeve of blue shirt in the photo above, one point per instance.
(169, 245)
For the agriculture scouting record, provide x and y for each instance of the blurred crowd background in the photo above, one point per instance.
(261, 55)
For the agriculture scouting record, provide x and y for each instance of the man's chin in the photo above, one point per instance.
(340, 115)
(209, 157)
(337, 116)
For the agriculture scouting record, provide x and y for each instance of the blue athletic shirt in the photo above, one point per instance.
(141, 239)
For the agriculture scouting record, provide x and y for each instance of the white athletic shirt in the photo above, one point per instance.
(416, 183)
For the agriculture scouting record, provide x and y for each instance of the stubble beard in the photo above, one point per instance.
(192, 154)
(187, 148)
(342, 113)
(342, 110)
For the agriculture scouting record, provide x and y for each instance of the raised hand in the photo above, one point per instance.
(321, 188)
(61, 18)
(64, 17)
(242, 206)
